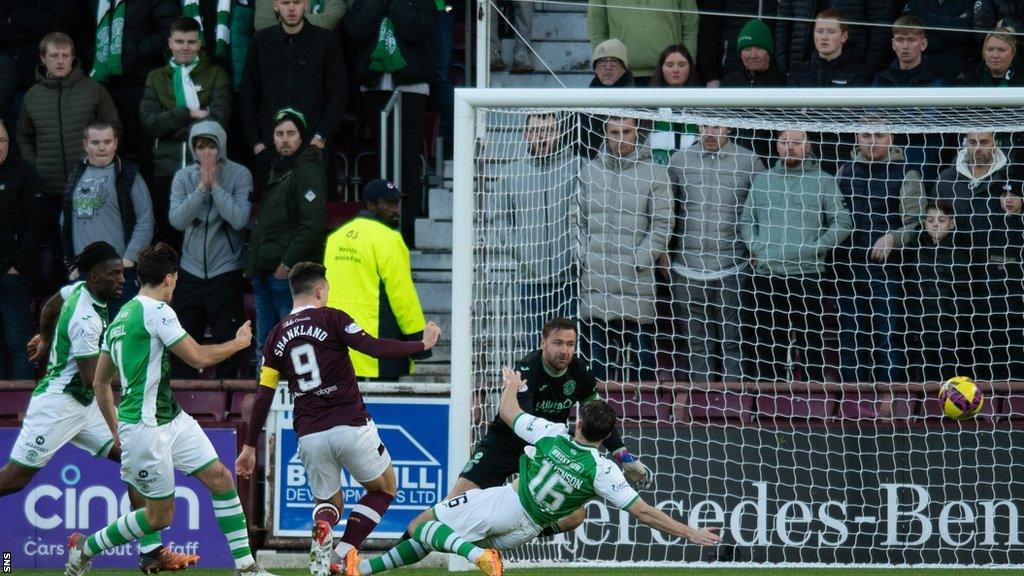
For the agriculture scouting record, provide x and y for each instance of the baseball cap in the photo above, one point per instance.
(381, 190)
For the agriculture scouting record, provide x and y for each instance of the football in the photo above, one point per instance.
(961, 399)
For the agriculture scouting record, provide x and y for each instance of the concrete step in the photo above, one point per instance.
(560, 26)
(431, 372)
(431, 260)
(433, 235)
(568, 55)
(435, 297)
(449, 170)
(541, 78)
(431, 276)
(440, 203)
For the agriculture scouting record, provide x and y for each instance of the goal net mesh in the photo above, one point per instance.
(770, 298)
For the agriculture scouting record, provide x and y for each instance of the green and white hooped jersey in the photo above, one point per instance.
(137, 340)
(77, 335)
(563, 475)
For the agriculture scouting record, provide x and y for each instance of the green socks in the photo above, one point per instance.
(441, 537)
(131, 526)
(231, 520)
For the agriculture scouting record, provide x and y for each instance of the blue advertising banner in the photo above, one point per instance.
(78, 493)
(415, 432)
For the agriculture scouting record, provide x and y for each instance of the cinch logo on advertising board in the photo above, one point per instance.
(78, 493)
(417, 440)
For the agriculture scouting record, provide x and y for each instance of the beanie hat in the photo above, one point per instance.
(295, 117)
(611, 48)
(755, 33)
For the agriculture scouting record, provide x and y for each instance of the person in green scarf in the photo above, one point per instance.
(675, 69)
(188, 89)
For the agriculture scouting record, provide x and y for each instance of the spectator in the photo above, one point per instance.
(54, 115)
(909, 69)
(999, 67)
(188, 89)
(792, 219)
(646, 32)
(831, 65)
(522, 62)
(405, 69)
(23, 23)
(675, 69)
(106, 199)
(326, 14)
(210, 204)
(1002, 272)
(442, 85)
(217, 20)
(993, 14)
(296, 66)
(121, 62)
(290, 225)
(710, 184)
(610, 63)
(540, 190)
(936, 316)
(756, 49)
(625, 222)
(886, 198)
(22, 199)
(719, 54)
(950, 52)
(369, 258)
(868, 45)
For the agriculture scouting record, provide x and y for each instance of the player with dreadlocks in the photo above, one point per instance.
(63, 408)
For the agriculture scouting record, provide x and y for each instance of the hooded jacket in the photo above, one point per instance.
(974, 198)
(792, 219)
(920, 76)
(625, 222)
(290, 226)
(169, 123)
(710, 189)
(212, 220)
(53, 117)
(846, 70)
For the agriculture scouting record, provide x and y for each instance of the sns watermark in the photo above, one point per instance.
(7, 562)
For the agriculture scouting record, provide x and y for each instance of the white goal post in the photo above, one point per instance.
(859, 472)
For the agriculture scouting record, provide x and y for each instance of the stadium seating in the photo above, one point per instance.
(875, 408)
(797, 408)
(13, 404)
(720, 408)
(204, 405)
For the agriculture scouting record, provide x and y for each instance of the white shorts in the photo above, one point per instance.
(357, 448)
(54, 419)
(150, 454)
(490, 518)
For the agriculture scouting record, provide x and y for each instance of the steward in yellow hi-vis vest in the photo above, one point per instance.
(371, 279)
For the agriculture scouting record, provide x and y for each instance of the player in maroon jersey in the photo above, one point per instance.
(308, 349)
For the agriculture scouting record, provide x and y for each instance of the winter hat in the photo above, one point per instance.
(293, 115)
(611, 48)
(755, 33)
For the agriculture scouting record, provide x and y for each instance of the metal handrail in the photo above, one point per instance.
(394, 105)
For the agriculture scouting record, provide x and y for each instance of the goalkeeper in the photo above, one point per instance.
(561, 477)
(557, 380)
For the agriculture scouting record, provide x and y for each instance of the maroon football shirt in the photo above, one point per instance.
(309, 348)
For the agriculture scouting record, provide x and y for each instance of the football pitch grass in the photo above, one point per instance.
(681, 571)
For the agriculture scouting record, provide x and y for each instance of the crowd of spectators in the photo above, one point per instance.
(211, 125)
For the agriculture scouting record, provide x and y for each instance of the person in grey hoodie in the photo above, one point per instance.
(624, 225)
(793, 217)
(710, 182)
(209, 202)
(540, 191)
(107, 200)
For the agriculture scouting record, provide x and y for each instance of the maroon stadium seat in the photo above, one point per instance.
(241, 405)
(795, 408)
(713, 407)
(203, 405)
(874, 407)
(640, 406)
(13, 404)
(1012, 408)
(340, 212)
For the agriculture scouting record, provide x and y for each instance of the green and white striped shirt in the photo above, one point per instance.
(138, 339)
(77, 335)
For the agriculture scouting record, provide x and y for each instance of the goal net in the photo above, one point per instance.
(770, 286)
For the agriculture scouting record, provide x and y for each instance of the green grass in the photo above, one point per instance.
(608, 572)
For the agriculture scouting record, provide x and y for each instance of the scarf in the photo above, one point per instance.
(190, 9)
(185, 93)
(109, 39)
(386, 57)
(316, 6)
